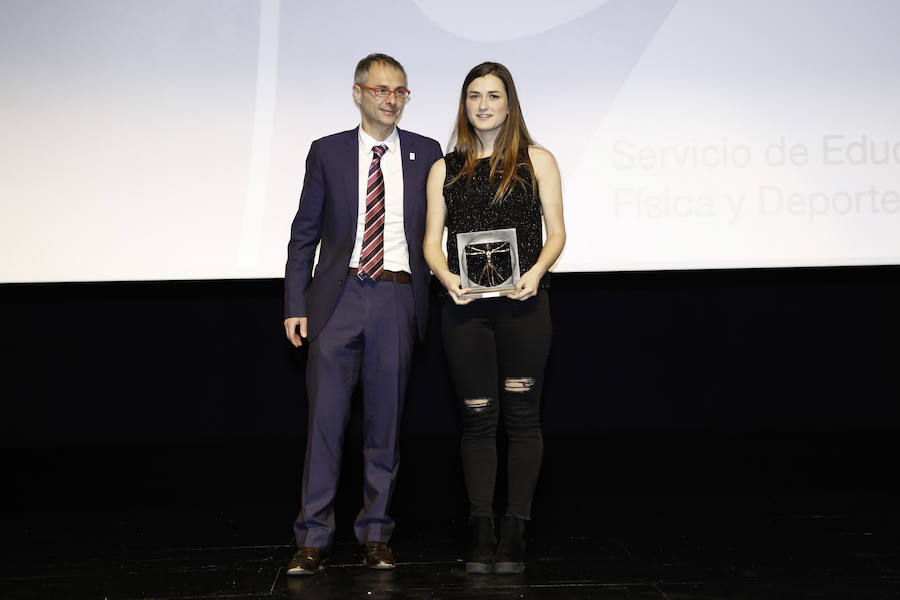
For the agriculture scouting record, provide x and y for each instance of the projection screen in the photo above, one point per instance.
(166, 140)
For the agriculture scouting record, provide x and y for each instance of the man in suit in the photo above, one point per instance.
(363, 198)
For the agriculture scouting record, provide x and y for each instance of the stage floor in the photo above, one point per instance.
(663, 517)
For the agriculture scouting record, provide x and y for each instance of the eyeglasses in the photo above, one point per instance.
(386, 93)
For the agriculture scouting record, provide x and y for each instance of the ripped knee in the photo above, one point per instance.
(477, 405)
(519, 385)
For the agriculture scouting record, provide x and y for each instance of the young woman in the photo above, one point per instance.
(496, 178)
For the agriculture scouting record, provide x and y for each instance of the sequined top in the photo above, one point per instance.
(469, 208)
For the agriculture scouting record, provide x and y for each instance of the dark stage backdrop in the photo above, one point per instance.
(750, 350)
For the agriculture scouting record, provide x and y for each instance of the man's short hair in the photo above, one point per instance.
(363, 66)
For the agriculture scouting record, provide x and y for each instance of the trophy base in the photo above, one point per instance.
(492, 293)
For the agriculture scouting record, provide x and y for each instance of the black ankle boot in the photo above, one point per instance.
(480, 557)
(510, 555)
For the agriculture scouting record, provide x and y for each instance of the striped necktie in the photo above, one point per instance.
(371, 257)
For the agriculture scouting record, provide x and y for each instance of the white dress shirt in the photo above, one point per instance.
(396, 253)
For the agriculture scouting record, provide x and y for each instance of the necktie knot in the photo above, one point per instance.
(379, 150)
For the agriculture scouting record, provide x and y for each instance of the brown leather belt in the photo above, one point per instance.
(395, 276)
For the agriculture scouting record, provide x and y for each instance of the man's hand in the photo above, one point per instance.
(290, 328)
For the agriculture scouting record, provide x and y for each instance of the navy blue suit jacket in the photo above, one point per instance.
(329, 206)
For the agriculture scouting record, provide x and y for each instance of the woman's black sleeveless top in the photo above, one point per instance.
(469, 208)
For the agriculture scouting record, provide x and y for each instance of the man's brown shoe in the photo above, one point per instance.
(306, 561)
(379, 556)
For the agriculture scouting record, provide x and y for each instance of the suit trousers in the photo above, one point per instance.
(367, 340)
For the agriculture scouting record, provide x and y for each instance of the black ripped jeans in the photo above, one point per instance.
(497, 350)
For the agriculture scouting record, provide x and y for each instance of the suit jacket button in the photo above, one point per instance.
(340, 283)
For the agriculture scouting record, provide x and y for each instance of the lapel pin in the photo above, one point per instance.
(412, 156)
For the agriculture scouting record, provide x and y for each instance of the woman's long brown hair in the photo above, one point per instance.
(513, 136)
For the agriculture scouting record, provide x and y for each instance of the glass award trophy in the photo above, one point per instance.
(488, 262)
